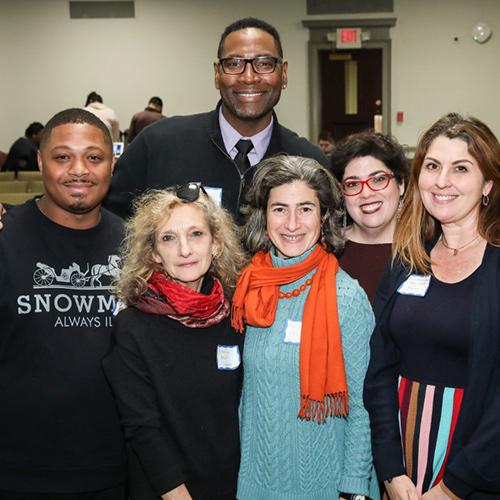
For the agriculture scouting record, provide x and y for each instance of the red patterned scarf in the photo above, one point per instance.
(193, 309)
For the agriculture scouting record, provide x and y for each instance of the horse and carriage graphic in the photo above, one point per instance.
(45, 276)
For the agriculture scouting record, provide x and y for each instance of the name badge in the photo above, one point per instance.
(292, 333)
(215, 193)
(228, 357)
(119, 307)
(415, 285)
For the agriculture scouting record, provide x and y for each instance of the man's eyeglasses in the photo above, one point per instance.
(190, 191)
(261, 65)
(352, 187)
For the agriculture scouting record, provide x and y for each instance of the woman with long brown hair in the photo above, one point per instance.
(433, 384)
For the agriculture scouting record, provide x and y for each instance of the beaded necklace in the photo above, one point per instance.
(296, 291)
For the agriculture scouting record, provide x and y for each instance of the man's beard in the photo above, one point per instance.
(79, 207)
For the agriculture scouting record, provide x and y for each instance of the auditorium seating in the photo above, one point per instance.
(7, 176)
(14, 187)
(14, 191)
(15, 198)
(29, 175)
(36, 187)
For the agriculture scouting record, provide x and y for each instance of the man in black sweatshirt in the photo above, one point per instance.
(223, 147)
(60, 435)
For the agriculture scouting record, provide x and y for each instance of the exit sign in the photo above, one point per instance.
(348, 38)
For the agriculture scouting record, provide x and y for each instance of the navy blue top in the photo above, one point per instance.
(432, 332)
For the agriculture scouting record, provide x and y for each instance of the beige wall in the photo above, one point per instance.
(49, 62)
(433, 75)
(167, 50)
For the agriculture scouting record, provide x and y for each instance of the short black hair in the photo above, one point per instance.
(325, 135)
(250, 22)
(382, 147)
(75, 115)
(33, 129)
(156, 101)
(93, 97)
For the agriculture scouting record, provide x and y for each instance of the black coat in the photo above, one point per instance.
(473, 467)
(22, 156)
(181, 149)
(179, 411)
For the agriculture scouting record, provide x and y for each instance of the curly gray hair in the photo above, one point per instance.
(283, 169)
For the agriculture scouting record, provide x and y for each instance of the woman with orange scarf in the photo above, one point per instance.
(304, 430)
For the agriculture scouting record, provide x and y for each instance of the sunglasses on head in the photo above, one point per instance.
(189, 191)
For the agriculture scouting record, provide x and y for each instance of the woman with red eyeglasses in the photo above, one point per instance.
(372, 170)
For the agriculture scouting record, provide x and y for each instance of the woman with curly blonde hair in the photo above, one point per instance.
(175, 364)
(137, 249)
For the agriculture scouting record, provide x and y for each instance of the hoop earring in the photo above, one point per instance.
(485, 200)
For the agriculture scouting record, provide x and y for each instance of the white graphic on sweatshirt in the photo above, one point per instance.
(73, 276)
(77, 305)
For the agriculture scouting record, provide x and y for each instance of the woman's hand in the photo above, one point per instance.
(179, 493)
(437, 493)
(2, 211)
(401, 488)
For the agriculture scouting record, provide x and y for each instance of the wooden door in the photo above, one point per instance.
(351, 90)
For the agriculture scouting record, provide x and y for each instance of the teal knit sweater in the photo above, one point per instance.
(282, 456)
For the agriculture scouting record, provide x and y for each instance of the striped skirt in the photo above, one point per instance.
(428, 416)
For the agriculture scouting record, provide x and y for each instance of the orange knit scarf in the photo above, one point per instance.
(323, 384)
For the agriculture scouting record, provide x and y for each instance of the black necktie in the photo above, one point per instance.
(241, 159)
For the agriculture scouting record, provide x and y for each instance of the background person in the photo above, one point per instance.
(60, 433)
(304, 430)
(95, 104)
(372, 170)
(435, 351)
(152, 113)
(175, 366)
(22, 154)
(250, 74)
(326, 142)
